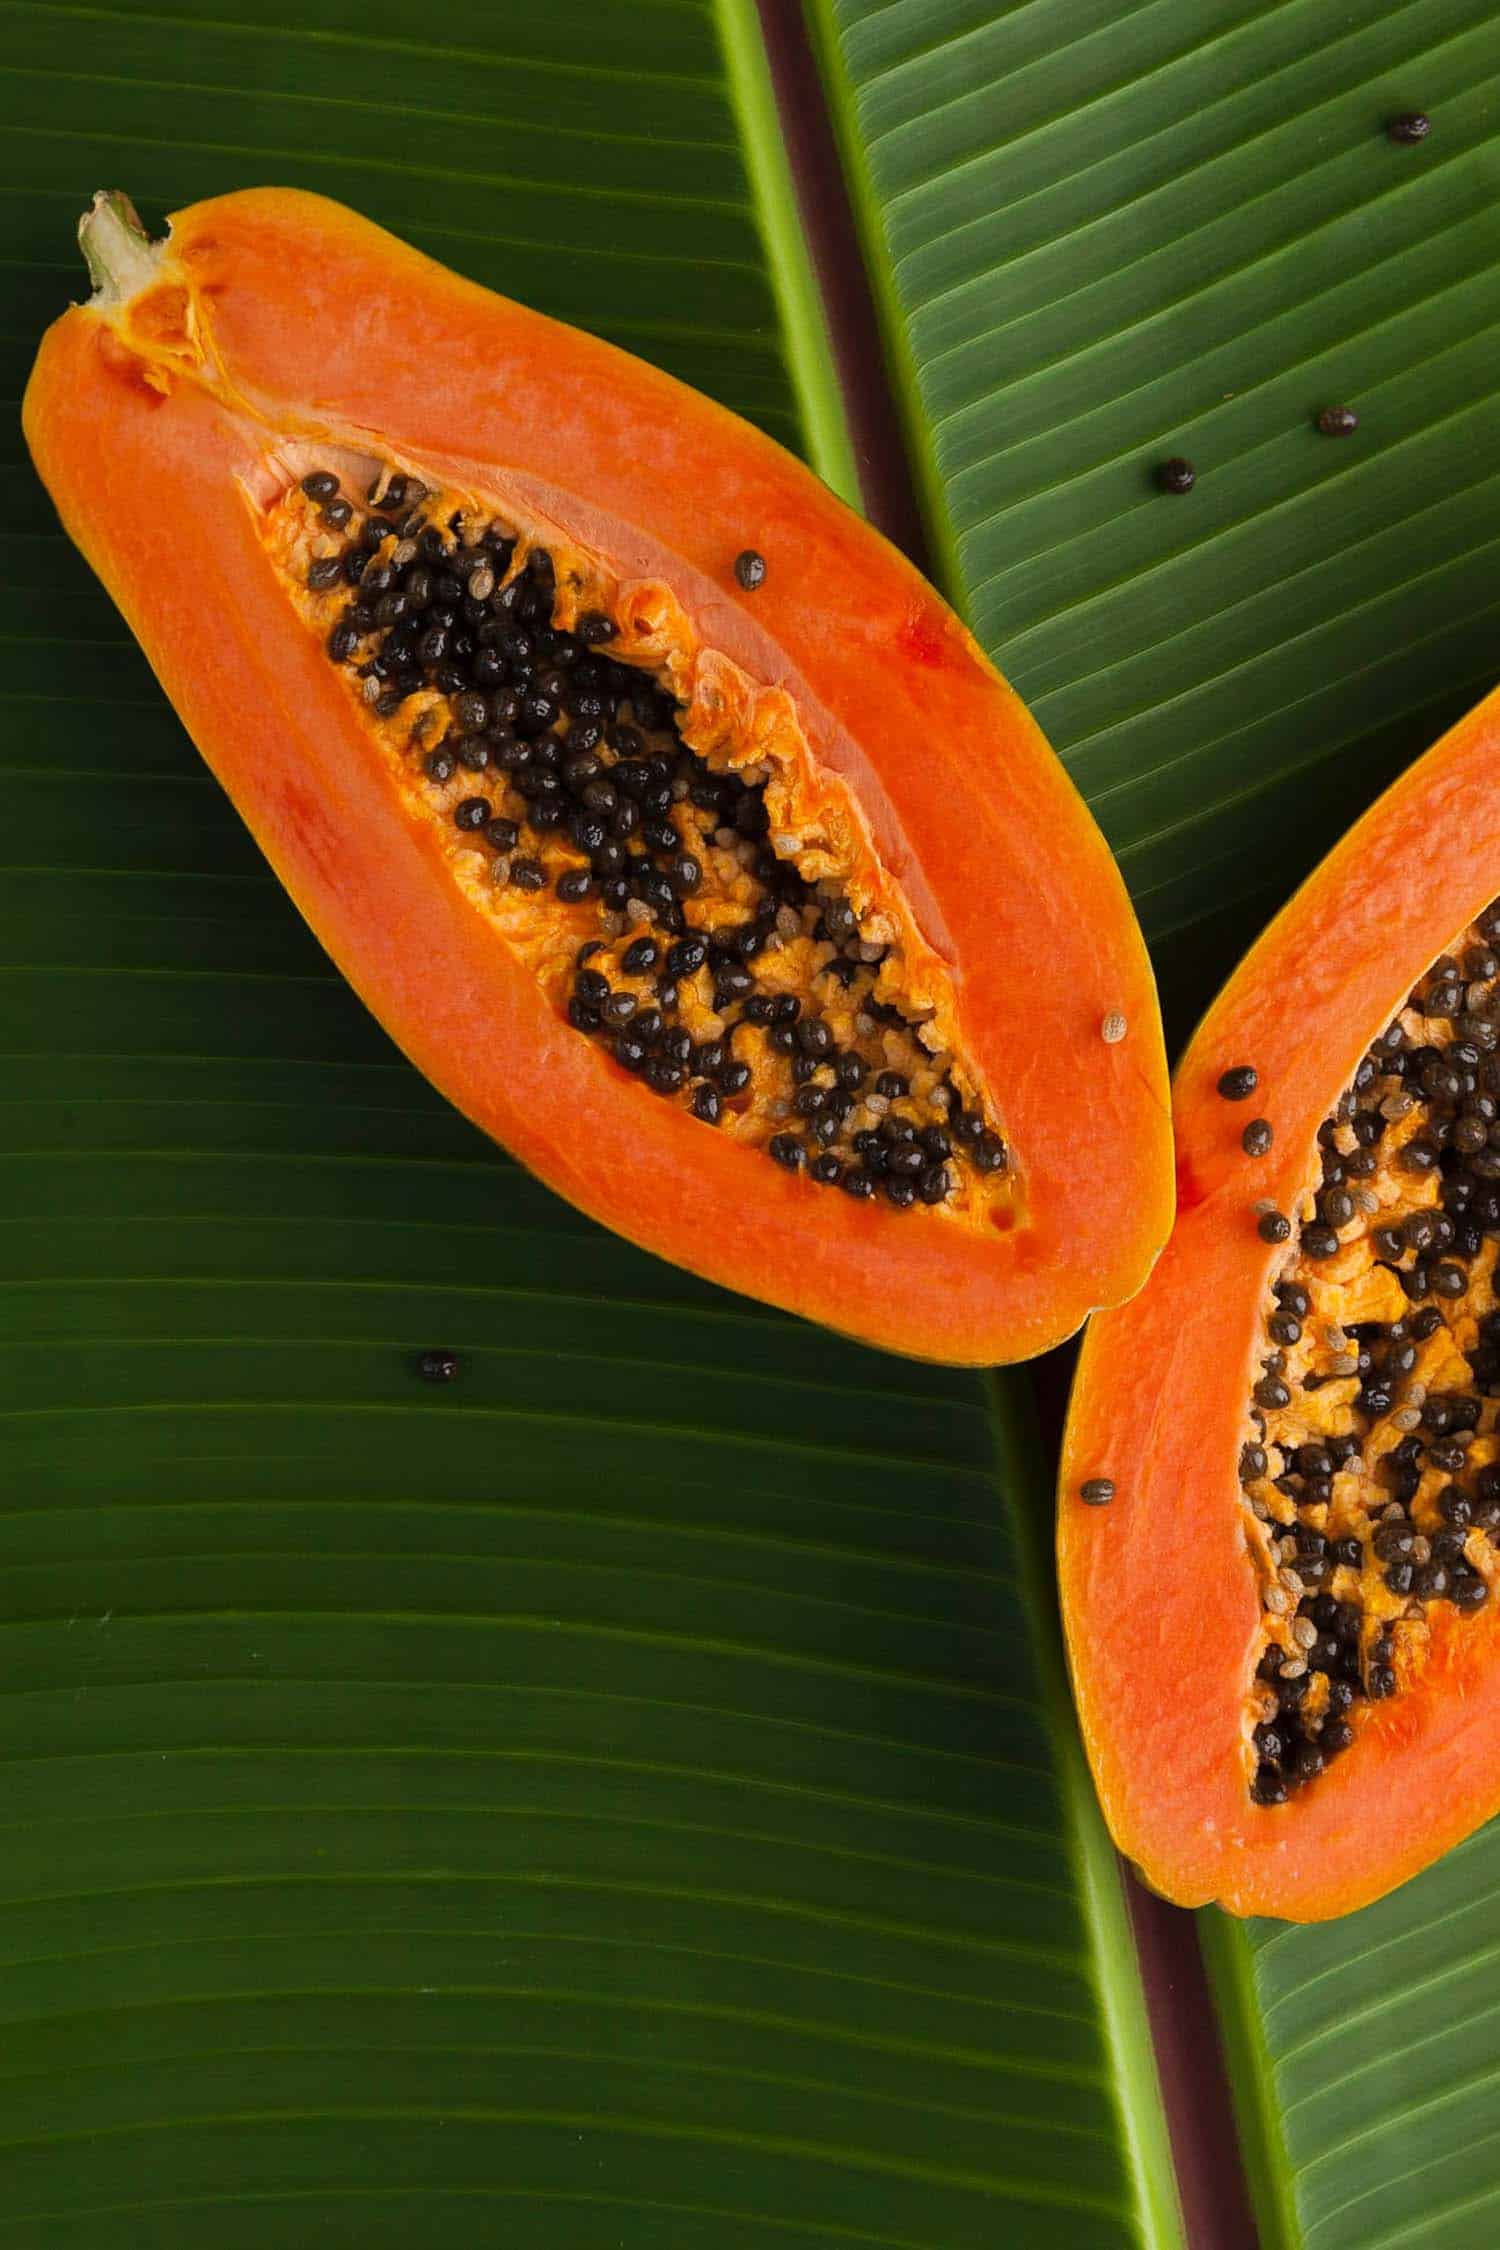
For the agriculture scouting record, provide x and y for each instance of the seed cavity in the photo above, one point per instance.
(1113, 1028)
(1371, 1472)
(691, 898)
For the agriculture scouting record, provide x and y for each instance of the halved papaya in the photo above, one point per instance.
(1279, 1517)
(667, 819)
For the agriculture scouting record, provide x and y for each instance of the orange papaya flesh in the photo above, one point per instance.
(733, 892)
(1284, 1625)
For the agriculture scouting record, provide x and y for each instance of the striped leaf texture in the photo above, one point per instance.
(1365, 2056)
(626, 1795)
(1104, 239)
(1100, 239)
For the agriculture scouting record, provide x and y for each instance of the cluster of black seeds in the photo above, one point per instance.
(1424, 1106)
(572, 773)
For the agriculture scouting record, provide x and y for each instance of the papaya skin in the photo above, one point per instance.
(275, 323)
(1159, 1590)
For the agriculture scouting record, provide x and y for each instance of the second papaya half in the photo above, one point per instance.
(1280, 1506)
(661, 812)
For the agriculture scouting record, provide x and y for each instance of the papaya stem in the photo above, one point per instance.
(121, 256)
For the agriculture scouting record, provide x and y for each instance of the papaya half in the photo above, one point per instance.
(660, 811)
(1279, 1515)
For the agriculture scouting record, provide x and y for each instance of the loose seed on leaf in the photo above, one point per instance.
(438, 1366)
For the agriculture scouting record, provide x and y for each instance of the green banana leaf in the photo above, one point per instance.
(1103, 239)
(1365, 2056)
(1098, 239)
(628, 1795)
